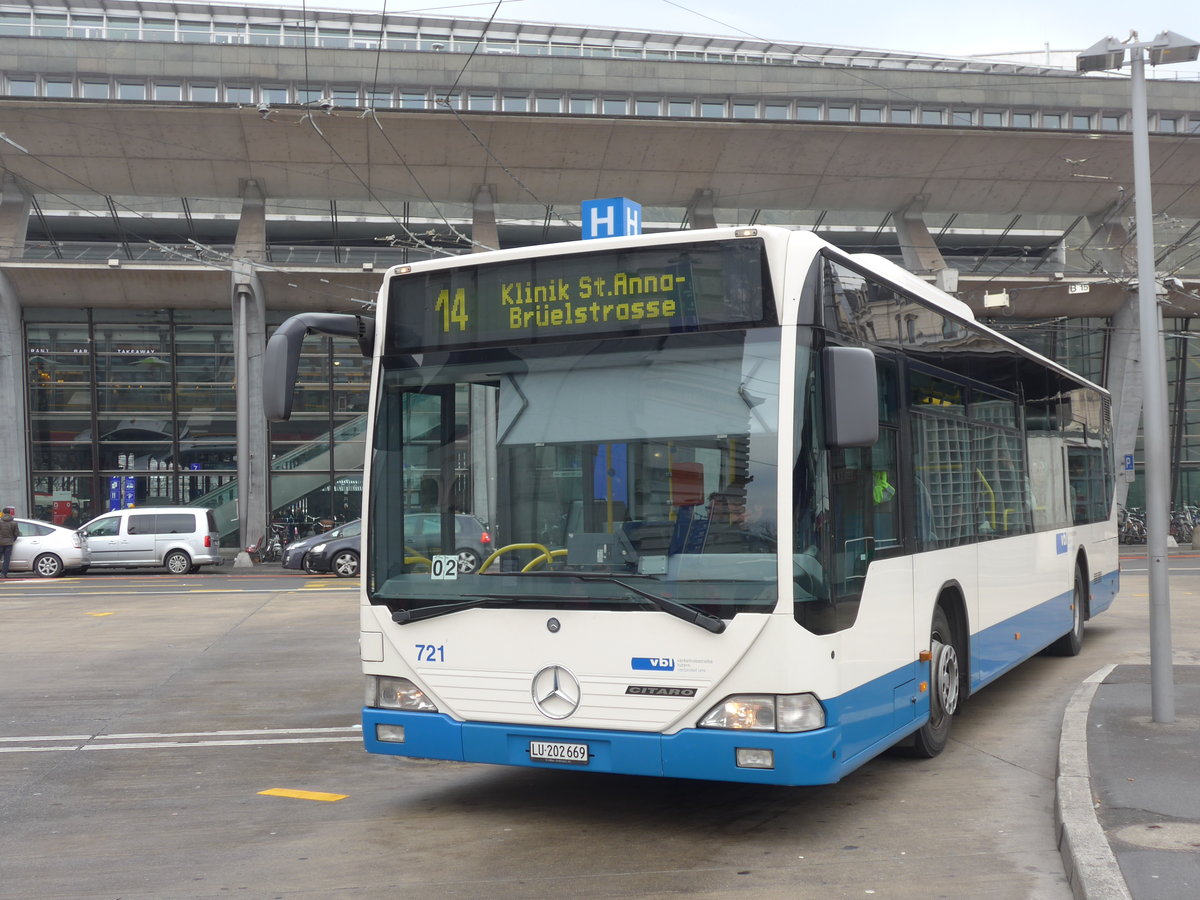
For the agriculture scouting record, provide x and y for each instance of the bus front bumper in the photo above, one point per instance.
(811, 757)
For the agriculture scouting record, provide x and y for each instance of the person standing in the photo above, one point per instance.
(9, 532)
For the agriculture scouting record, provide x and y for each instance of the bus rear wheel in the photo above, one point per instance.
(1072, 642)
(944, 684)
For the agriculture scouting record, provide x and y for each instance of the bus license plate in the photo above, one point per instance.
(555, 752)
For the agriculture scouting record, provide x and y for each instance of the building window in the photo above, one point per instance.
(1168, 125)
(49, 26)
(1022, 120)
(195, 32)
(776, 110)
(745, 110)
(413, 100)
(95, 90)
(335, 37)
(932, 116)
(481, 102)
(266, 35)
(1051, 120)
(547, 104)
(122, 29)
(22, 87)
(168, 92)
(901, 116)
(377, 99)
(51, 88)
(962, 117)
(1081, 122)
(158, 29)
(712, 109)
(839, 114)
(204, 93)
(1110, 123)
(993, 119)
(87, 26)
(514, 103)
(645, 106)
(583, 106)
(274, 95)
(297, 36)
(129, 90)
(681, 108)
(614, 106)
(870, 114)
(239, 94)
(14, 23)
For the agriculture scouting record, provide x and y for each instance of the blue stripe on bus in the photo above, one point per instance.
(870, 718)
(998, 649)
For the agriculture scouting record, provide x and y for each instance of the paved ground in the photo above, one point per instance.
(1128, 788)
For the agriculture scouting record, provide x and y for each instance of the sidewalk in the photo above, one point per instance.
(1128, 789)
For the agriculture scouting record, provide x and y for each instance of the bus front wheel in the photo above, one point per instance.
(944, 684)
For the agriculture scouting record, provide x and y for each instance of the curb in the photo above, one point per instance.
(1091, 867)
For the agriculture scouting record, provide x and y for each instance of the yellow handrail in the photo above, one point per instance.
(498, 553)
(545, 557)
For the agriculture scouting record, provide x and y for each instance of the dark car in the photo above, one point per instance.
(295, 554)
(333, 551)
(422, 531)
(472, 541)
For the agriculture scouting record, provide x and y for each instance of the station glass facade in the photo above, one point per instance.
(137, 407)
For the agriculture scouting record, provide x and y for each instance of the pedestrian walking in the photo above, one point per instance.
(9, 532)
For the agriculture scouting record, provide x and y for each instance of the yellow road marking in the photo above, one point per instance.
(304, 795)
(97, 615)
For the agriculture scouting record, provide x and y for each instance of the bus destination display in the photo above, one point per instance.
(684, 287)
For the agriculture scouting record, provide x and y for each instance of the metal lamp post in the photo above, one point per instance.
(1167, 47)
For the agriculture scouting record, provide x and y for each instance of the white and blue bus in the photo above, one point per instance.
(759, 508)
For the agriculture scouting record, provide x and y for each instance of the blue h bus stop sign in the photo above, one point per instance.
(611, 217)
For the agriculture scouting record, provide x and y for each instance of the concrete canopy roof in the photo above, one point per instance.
(152, 150)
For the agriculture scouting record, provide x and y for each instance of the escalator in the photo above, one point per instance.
(307, 466)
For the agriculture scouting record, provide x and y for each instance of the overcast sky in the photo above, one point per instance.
(952, 29)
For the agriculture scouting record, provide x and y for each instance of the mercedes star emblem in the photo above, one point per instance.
(555, 692)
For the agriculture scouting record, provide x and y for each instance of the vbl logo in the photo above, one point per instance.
(653, 663)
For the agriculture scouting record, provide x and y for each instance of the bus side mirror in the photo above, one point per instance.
(851, 397)
(282, 359)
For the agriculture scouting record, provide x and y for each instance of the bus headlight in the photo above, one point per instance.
(766, 712)
(386, 692)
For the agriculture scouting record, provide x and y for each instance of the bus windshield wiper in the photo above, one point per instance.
(404, 616)
(666, 604)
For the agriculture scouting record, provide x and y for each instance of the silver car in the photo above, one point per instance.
(48, 551)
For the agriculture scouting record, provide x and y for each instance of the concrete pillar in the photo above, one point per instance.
(1123, 374)
(483, 447)
(249, 343)
(700, 211)
(251, 241)
(1123, 378)
(484, 231)
(253, 461)
(14, 456)
(14, 219)
(917, 246)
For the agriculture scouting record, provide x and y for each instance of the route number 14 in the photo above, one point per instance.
(453, 310)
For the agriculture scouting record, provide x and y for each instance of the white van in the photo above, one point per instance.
(182, 538)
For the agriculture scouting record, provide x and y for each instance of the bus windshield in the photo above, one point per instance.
(606, 474)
